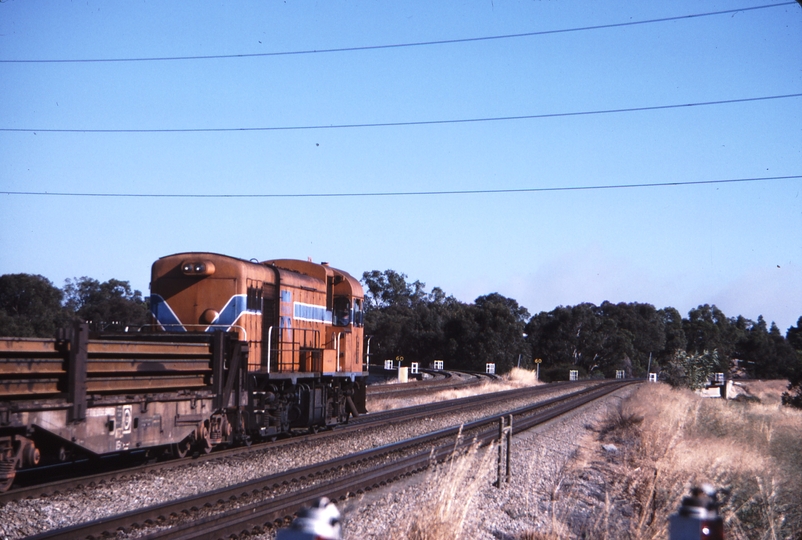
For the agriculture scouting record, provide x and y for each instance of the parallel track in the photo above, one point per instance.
(445, 380)
(258, 508)
(36, 489)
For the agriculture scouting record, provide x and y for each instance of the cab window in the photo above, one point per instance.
(342, 311)
(357, 312)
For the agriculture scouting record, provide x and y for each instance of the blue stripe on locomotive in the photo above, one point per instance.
(232, 311)
(164, 315)
(169, 321)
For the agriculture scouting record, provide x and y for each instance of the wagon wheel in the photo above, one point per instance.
(181, 449)
(5, 483)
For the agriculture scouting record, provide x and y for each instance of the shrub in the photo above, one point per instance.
(692, 371)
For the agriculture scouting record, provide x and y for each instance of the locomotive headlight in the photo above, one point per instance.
(197, 268)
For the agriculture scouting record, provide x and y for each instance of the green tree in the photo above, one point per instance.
(764, 352)
(707, 328)
(692, 370)
(30, 306)
(111, 305)
(403, 319)
(793, 337)
(390, 288)
(491, 330)
(640, 332)
(585, 338)
(675, 335)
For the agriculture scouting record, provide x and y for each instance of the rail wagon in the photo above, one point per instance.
(237, 351)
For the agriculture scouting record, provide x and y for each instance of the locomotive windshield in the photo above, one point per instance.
(342, 311)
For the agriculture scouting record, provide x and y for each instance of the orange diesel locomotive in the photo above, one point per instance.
(302, 323)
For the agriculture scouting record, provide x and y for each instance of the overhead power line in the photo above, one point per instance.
(393, 193)
(398, 45)
(410, 123)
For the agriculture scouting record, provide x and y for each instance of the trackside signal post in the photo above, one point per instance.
(504, 433)
(403, 373)
(537, 369)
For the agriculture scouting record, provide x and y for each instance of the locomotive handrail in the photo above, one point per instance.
(337, 341)
(269, 344)
(294, 342)
(221, 326)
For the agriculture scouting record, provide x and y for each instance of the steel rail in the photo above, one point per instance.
(264, 513)
(452, 379)
(261, 515)
(381, 418)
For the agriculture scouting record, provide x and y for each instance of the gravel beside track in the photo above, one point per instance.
(32, 516)
(526, 504)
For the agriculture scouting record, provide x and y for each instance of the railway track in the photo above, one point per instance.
(270, 501)
(32, 484)
(444, 380)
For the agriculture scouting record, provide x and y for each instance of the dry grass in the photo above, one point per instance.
(768, 392)
(456, 483)
(668, 440)
(517, 378)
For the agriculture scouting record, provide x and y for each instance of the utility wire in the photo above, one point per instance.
(411, 123)
(397, 45)
(394, 193)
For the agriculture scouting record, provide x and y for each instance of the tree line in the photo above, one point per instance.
(403, 319)
(31, 306)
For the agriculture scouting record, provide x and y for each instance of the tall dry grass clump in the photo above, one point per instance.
(669, 440)
(447, 503)
(520, 377)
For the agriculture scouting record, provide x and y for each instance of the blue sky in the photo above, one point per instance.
(737, 245)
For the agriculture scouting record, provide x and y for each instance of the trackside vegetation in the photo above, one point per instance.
(629, 473)
(667, 440)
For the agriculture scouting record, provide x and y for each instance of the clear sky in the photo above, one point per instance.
(737, 245)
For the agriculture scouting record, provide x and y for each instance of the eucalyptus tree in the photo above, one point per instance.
(30, 306)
